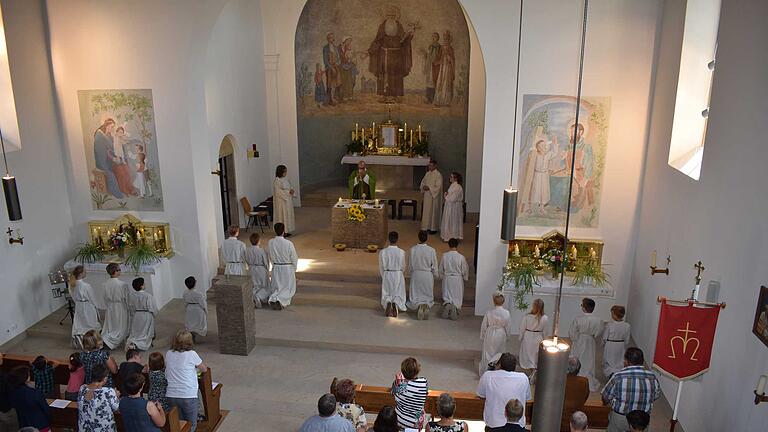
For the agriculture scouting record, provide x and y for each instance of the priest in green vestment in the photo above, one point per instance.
(362, 182)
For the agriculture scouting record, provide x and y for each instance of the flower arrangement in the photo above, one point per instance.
(521, 274)
(355, 213)
(554, 259)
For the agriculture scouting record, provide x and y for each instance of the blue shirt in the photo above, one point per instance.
(333, 423)
(31, 407)
(632, 388)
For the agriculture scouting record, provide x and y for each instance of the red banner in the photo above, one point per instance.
(684, 341)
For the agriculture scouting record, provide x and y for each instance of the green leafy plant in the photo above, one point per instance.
(421, 148)
(522, 275)
(355, 146)
(590, 273)
(141, 255)
(88, 253)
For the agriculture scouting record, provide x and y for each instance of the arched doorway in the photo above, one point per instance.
(227, 185)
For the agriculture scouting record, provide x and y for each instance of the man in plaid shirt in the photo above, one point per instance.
(632, 388)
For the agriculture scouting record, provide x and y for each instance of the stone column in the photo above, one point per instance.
(234, 312)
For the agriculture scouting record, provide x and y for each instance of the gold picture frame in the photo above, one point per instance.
(389, 139)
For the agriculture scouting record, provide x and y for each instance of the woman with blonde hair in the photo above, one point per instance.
(87, 306)
(494, 330)
(94, 354)
(532, 328)
(181, 367)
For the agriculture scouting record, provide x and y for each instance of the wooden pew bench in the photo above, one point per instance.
(66, 418)
(468, 405)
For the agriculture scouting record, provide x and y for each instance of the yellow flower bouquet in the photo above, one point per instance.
(355, 213)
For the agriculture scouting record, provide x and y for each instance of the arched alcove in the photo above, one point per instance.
(228, 182)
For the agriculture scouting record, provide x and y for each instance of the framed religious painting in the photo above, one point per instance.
(387, 138)
(760, 327)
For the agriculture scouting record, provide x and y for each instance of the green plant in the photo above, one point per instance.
(590, 273)
(523, 276)
(141, 255)
(421, 148)
(355, 146)
(88, 253)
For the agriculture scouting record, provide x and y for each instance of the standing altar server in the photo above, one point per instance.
(452, 225)
(494, 330)
(143, 310)
(432, 189)
(583, 332)
(116, 320)
(616, 341)
(423, 267)
(282, 202)
(196, 314)
(233, 253)
(532, 328)
(454, 271)
(284, 259)
(392, 268)
(87, 306)
(258, 264)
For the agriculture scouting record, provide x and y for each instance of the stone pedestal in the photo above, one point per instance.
(372, 231)
(234, 311)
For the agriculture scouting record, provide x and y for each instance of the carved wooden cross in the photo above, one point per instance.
(699, 268)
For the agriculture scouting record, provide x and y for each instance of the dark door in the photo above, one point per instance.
(224, 186)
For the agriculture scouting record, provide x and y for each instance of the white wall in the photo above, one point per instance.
(619, 55)
(41, 177)
(719, 220)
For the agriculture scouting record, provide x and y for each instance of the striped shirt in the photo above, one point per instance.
(632, 388)
(410, 397)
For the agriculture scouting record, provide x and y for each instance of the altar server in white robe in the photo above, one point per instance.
(494, 330)
(196, 313)
(452, 225)
(143, 311)
(282, 200)
(87, 305)
(284, 260)
(233, 253)
(432, 191)
(584, 332)
(258, 264)
(423, 268)
(392, 270)
(454, 271)
(116, 320)
(532, 329)
(616, 341)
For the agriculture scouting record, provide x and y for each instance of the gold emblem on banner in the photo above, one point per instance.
(685, 339)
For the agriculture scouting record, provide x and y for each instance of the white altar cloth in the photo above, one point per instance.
(385, 160)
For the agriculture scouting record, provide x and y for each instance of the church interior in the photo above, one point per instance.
(579, 160)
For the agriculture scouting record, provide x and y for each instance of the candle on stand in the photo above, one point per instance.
(592, 253)
(653, 259)
(574, 252)
(419, 131)
(376, 202)
(355, 130)
(339, 200)
(411, 137)
(537, 252)
(517, 250)
(373, 129)
(405, 129)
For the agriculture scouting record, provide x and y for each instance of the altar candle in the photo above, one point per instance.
(373, 128)
(419, 131)
(411, 137)
(761, 383)
(517, 250)
(376, 202)
(574, 253)
(405, 130)
(339, 200)
(536, 252)
(355, 130)
(155, 236)
(653, 259)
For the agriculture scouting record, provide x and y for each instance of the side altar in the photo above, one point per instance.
(359, 225)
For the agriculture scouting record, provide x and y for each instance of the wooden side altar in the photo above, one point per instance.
(371, 231)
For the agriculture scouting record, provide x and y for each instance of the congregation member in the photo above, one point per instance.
(576, 393)
(8, 420)
(196, 311)
(410, 392)
(454, 271)
(282, 203)
(423, 268)
(452, 225)
(326, 419)
(346, 407)
(386, 420)
(143, 310)
(362, 182)
(446, 406)
(494, 330)
(157, 381)
(513, 412)
(139, 414)
(632, 388)
(233, 253)
(87, 306)
(76, 377)
(30, 404)
(578, 422)
(432, 190)
(131, 366)
(285, 261)
(584, 332)
(532, 328)
(392, 269)
(97, 403)
(258, 264)
(42, 375)
(501, 385)
(116, 298)
(638, 420)
(94, 355)
(182, 364)
(615, 341)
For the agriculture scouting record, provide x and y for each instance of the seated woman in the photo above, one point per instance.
(386, 420)
(30, 404)
(446, 406)
(95, 354)
(139, 414)
(346, 406)
(410, 392)
(97, 403)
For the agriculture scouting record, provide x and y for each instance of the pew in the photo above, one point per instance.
(66, 418)
(468, 405)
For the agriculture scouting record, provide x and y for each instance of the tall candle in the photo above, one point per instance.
(517, 250)
(537, 252)
(419, 132)
(592, 253)
(355, 130)
(411, 137)
(574, 253)
(373, 129)
(405, 130)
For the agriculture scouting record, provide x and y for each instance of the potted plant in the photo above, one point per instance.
(141, 255)
(88, 253)
(355, 146)
(554, 259)
(421, 147)
(589, 272)
(521, 274)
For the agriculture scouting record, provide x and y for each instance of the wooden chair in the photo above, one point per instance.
(254, 216)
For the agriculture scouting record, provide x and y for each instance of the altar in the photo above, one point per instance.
(392, 172)
(371, 231)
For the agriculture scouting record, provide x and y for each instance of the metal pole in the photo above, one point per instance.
(673, 421)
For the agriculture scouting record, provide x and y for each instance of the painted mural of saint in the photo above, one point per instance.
(390, 55)
(447, 72)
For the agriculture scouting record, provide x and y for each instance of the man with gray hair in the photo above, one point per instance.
(327, 420)
(576, 393)
(578, 422)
